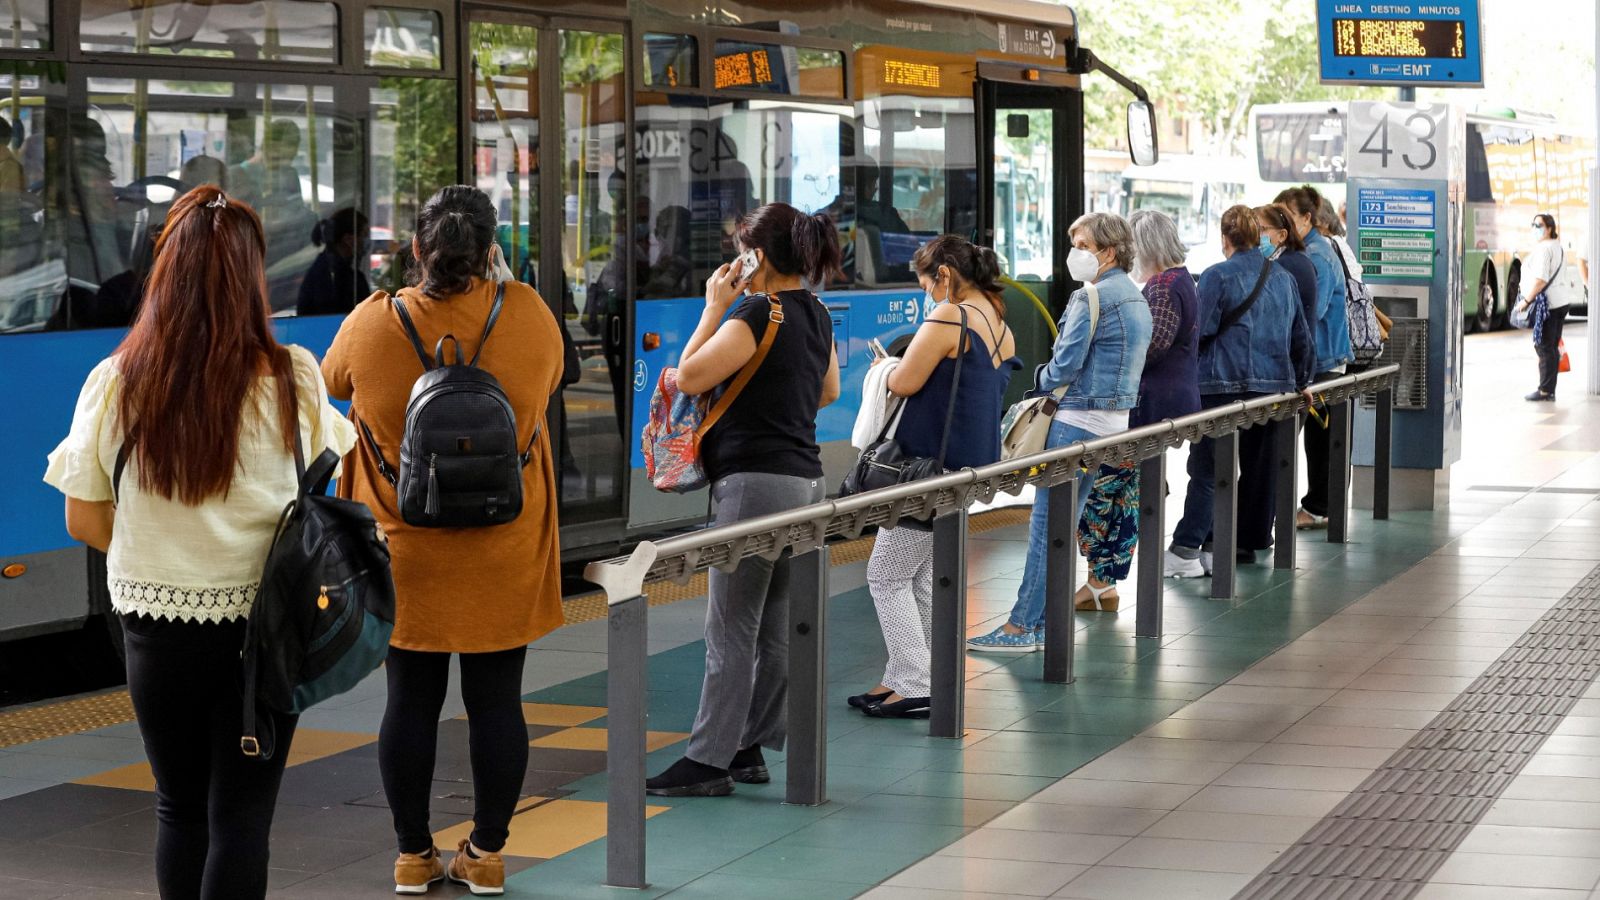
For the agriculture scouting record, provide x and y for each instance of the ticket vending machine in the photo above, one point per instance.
(1406, 175)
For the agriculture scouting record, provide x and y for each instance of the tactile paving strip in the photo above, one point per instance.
(73, 716)
(1397, 828)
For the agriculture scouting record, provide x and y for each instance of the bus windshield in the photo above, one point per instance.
(1305, 145)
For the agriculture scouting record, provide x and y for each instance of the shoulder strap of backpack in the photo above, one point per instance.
(384, 469)
(411, 332)
(1237, 313)
(774, 319)
(488, 326)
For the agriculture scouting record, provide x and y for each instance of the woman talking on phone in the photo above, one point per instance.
(761, 457)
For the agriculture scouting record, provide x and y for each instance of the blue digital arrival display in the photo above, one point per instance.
(1406, 44)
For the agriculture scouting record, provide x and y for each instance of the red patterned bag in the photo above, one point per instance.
(678, 421)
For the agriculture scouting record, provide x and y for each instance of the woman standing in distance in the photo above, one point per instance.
(1168, 388)
(1543, 265)
(205, 431)
(1330, 331)
(1265, 350)
(1099, 365)
(482, 593)
(761, 457)
(957, 276)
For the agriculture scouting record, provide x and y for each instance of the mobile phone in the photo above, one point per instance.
(876, 347)
(747, 263)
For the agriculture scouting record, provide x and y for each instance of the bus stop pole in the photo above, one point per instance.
(807, 762)
(627, 659)
(1060, 580)
(1286, 456)
(948, 700)
(1152, 537)
(1225, 514)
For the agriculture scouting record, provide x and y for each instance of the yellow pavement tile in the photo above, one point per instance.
(595, 739)
(547, 830)
(309, 744)
(560, 714)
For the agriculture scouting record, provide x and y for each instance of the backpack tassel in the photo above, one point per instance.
(431, 507)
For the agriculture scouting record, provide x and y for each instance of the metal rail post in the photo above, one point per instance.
(1061, 580)
(1338, 473)
(1152, 538)
(1382, 453)
(1225, 514)
(949, 682)
(807, 762)
(627, 661)
(1286, 457)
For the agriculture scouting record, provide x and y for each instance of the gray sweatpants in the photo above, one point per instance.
(744, 698)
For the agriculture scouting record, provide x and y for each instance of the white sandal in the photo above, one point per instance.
(1097, 601)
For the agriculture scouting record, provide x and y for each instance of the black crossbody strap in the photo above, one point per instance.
(488, 326)
(1237, 313)
(955, 388)
(384, 469)
(411, 332)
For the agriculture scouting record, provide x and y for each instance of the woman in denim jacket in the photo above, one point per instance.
(1100, 371)
(1330, 335)
(1267, 351)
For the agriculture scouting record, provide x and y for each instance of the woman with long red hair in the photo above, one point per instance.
(178, 463)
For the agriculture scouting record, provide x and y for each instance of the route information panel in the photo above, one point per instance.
(1406, 44)
(1398, 230)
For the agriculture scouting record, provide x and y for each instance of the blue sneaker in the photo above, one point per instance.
(998, 641)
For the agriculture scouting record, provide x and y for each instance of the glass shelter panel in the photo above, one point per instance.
(275, 30)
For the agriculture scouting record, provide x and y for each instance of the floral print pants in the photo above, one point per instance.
(1109, 528)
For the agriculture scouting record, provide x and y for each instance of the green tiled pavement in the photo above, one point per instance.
(897, 795)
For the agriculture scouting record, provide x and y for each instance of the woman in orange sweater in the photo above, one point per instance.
(483, 593)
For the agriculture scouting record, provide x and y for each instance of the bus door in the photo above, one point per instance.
(564, 225)
(1030, 188)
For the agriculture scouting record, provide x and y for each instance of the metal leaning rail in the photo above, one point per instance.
(805, 532)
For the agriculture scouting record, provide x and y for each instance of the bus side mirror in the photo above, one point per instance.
(1142, 133)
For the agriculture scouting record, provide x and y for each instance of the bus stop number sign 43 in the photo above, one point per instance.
(1386, 140)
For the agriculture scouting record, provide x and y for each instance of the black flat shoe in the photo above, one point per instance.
(1540, 397)
(905, 708)
(749, 766)
(687, 778)
(862, 701)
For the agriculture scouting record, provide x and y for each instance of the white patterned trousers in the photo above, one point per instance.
(900, 576)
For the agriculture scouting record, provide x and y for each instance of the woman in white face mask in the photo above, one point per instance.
(1094, 371)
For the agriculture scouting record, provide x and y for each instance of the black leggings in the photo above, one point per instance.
(213, 805)
(1550, 350)
(491, 686)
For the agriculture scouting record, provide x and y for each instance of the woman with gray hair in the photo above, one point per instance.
(1093, 372)
(1168, 388)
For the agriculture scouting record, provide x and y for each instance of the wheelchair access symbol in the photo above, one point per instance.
(641, 375)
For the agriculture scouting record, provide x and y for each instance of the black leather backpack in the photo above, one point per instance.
(323, 615)
(460, 461)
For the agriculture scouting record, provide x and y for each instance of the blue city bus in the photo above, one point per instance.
(664, 121)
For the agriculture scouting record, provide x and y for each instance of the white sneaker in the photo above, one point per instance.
(1205, 560)
(1180, 567)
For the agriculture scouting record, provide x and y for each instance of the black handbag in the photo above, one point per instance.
(885, 464)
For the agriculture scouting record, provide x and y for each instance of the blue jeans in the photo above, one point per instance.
(1028, 613)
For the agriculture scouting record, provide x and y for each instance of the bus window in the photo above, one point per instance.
(670, 60)
(267, 30)
(1298, 147)
(33, 270)
(413, 142)
(141, 143)
(402, 38)
(28, 27)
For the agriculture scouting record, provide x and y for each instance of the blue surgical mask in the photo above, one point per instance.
(1267, 248)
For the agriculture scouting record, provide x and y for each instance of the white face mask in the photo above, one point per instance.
(1082, 265)
(1538, 233)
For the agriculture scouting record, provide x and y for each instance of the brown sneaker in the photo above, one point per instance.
(415, 873)
(483, 876)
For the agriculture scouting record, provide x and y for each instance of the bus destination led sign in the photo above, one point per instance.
(1405, 44)
(903, 73)
(744, 69)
